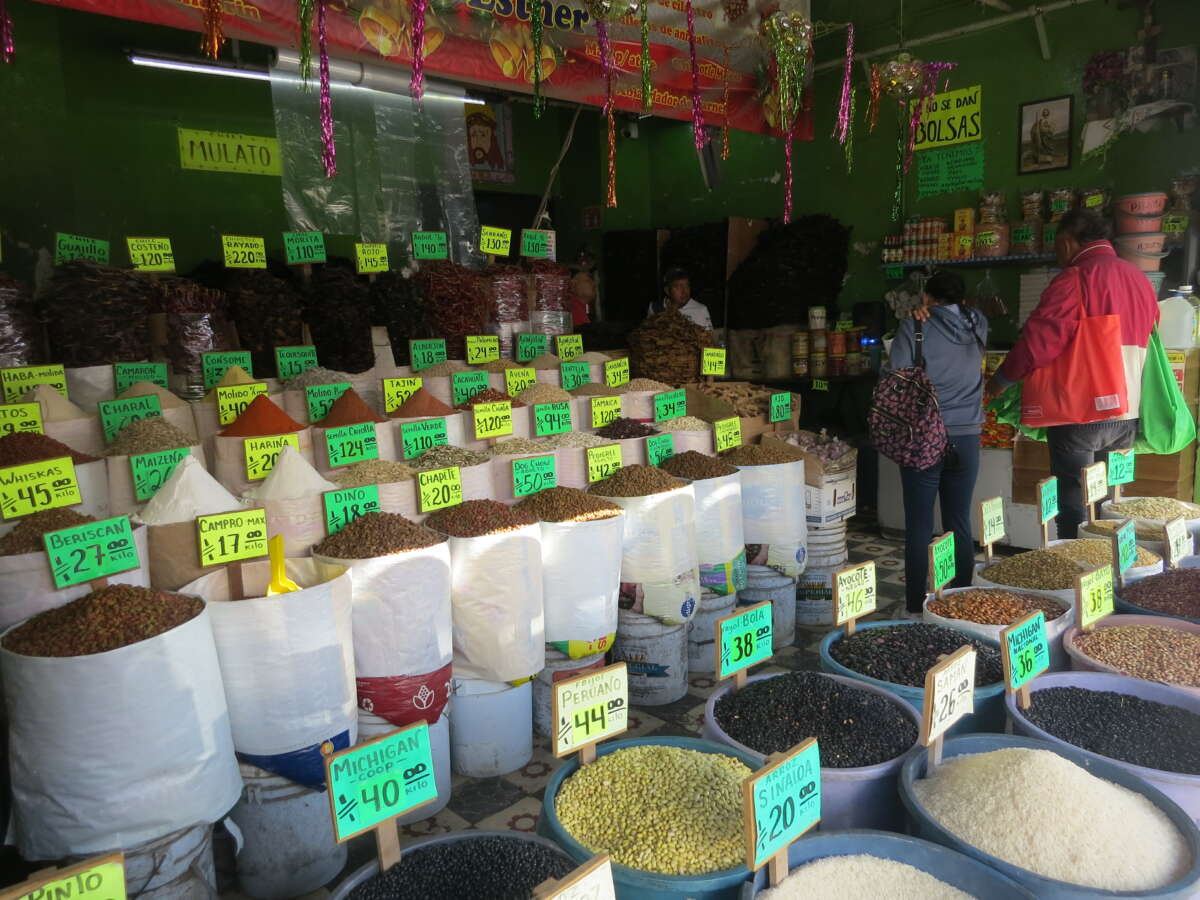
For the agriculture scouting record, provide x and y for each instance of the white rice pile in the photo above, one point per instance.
(861, 877)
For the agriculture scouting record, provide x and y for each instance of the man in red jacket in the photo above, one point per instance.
(1096, 279)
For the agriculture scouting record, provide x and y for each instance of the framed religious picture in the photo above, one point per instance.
(1044, 141)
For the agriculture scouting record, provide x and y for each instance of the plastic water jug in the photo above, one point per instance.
(1177, 322)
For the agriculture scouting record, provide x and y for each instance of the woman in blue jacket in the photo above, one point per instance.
(954, 340)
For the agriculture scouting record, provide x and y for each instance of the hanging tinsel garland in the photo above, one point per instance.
(7, 47)
(416, 85)
(328, 150)
(850, 134)
(928, 87)
(304, 19)
(606, 63)
(845, 118)
(647, 87)
(725, 106)
(897, 193)
(535, 32)
(212, 35)
(698, 134)
(789, 40)
(873, 99)
(787, 174)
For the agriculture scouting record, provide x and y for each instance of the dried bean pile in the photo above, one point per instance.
(623, 428)
(696, 466)
(499, 868)
(543, 393)
(473, 518)
(575, 440)
(685, 423)
(377, 534)
(644, 384)
(19, 448)
(1155, 508)
(1094, 552)
(544, 362)
(854, 727)
(27, 536)
(1120, 726)
(1037, 569)
(373, 471)
(635, 481)
(1173, 593)
(902, 654)
(1106, 527)
(761, 455)
(112, 617)
(989, 606)
(337, 308)
(149, 436)
(1145, 651)
(448, 455)
(666, 347)
(488, 395)
(564, 504)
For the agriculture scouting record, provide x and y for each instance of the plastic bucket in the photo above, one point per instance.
(289, 847)
(1066, 596)
(1124, 606)
(1081, 662)
(765, 584)
(1145, 240)
(559, 667)
(369, 869)
(491, 727)
(702, 631)
(827, 546)
(656, 656)
(988, 699)
(1046, 888)
(991, 633)
(176, 866)
(1149, 203)
(954, 869)
(1183, 789)
(635, 884)
(861, 797)
(370, 727)
(814, 596)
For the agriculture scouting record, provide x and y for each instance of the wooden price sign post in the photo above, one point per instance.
(941, 563)
(1047, 493)
(991, 524)
(371, 784)
(591, 881)
(38, 486)
(588, 709)
(1179, 541)
(89, 553)
(780, 802)
(1121, 467)
(949, 695)
(1124, 549)
(742, 640)
(228, 539)
(99, 878)
(854, 594)
(1025, 653)
(345, 505)
(1093, 596)
(1094, 479)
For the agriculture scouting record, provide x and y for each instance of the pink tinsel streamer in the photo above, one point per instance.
(7, 47)
(328, 150)
(417, 84)
(787, 176)
(842, 129)
(931, 72)
(697, 107)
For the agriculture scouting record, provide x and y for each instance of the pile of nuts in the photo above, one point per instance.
(1145, 651)
(762, 455)
(1172, 593)
(1038, 569)
(635, 481)
(696, 466)
(377, 534)
(474, 518)
(989, 606)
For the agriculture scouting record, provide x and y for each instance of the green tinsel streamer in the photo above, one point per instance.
(791, 57)
(304, 17)
(535, 27)
(647, 90)
(850, 134)
(899, 173)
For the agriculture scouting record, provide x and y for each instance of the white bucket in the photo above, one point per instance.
(814, 597)
(765, 584)
(559, 667)
(656, 656)
(371, 727)
(176, 866)
(289, 847)
(1055, 628)
(702, 633)
(827, 546)
(491, 730)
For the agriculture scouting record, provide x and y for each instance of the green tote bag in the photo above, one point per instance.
(1165, 423)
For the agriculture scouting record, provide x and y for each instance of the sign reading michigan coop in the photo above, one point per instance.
(220, 151)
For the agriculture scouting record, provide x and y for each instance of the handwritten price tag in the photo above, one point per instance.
(1025, 651)
(216, 363)
(660, 448)
(670, 405)
(854, 592)
(1095, 483)
(125, 375)
(591, 881)
(574, 374)
(482, 348)
(18, 380)
(1094, 596)
(533, 474)
(949, 693)
(603, 461)
(344, 506)
(99, 878)
(616, 372)
(38, 486)
(712, 361)
(516, 380)
(370, 258)
(495, 241)
(465, 385)
(605, 410)
(303, 247)
(75, 246)
(150, 471)
(743, 640)
(263, 452)
(727, 433)
(232, 537)
(551, 418)
(233, 400)
(530, 346)
(292, 361)
(492, 420)
(568, 346)
(781, 407)
(1048, 498)
(1179, 541)
(590, 708)
(992, 515)
(439, 488)
(397, 390)
(1121, 465)
(782, 801)
(151, 254)
(941, 561)
(417, 437)
(537, 244)
(116, 414)
(430, 245)
(425, 353)
(243, 251)
(351, 443)
(1125, 547)
(90, 551)
(319, 398)
(21, 418)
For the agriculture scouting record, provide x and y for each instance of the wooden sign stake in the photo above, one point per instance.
(739, 679)
(237, 588)
(587, 754)
(559, 887)
(387, 844)
(1116, 493)
(777, 868)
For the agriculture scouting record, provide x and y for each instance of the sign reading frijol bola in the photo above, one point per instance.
(222, 151)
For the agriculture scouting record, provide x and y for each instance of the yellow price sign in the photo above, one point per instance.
(727, 433)
(1094, 595)
(150, 254)
(17, 380)
(243, 251)
(516, 380)
(99, 878)
(38, 486)
(232, 536)
(233, 400)
(605, 410)
(590, 708)
(263, 452)
(398, 390)
(482, 348)
(616, 372)
(568, 346)
(21, 418)
(370, 258)
(493, 419)
(495, 241)
(603, 461)
(439, 488)
(712, 361)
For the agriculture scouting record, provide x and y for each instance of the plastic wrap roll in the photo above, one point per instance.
(581, 575)
(122, 498)
(720, 540)
(229, 460)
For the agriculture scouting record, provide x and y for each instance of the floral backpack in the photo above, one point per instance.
(904, 422)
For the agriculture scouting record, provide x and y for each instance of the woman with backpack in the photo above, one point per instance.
(948, 340)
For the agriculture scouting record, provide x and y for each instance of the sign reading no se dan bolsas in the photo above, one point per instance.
(955, 117)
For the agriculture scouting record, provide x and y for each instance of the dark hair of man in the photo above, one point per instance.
(946, 287)
(1085, 225)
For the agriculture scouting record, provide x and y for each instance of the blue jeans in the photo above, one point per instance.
(954, 480)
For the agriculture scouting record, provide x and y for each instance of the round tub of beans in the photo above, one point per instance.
(985, 612)
(668, 810)
(1035, 571)
(505, 865)
(1151, 730)
(1092, 552)
(864, 732)
(1175, 593)
(1153, 648)
(895, 655)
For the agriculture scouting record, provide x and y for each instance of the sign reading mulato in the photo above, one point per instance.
(220, 151)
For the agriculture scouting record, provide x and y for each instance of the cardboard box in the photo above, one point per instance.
(834, 500)
(711, 409)
(1169, 475)
(964, 220)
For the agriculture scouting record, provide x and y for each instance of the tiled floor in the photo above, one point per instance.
(514, 801)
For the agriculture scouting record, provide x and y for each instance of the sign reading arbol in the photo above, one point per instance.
(219, 151)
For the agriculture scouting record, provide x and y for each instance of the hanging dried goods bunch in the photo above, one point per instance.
(667, 347)
(337, 308)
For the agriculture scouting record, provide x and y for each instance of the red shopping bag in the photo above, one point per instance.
(1085, 384)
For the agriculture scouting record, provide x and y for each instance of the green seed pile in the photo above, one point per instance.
(1105, 528)
(112, 617)
(1094, 552)
(758, 455)
(592, 389)
(1150, 652)
(377, 534)
(1038, 569)
(658, 809)
(513, 446)
(27, 536)
(373, 471)
(149, 436)
(478, 517)
(448, 455)
(696, 466)
(989, 606)
(564, 504)
(1155, 508)
(635, 481)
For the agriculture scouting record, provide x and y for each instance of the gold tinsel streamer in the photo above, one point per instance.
(612, 157)
(873, 109)
(212, 36)
(725, 101)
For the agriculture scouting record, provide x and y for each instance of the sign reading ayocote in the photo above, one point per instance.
(955, 117)
(222, 151)
(94, 550)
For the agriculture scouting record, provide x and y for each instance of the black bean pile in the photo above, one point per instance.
(474, 518)
(622, 428)
(854, 727)
(498, 868)
(902, 654)
(1120, 726)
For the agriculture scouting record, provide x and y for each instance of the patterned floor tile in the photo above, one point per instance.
(642, 723)
(532, 776)
(702, 685)
(483, 797)
(521, 816)
(693, 721)
(443, 823)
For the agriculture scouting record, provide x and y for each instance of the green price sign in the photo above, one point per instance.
(1048, 498)
(241, 251)
(116, 414)
(90, 551)
(781, 407)
(151, 254)
(218, 362)
(820, 384)
(660, 448)
(126, 375)
(894, 273)
(465, 385)
(234, 399)
(320, 397)
(603, 461)
(605, 410)
(533, 474)
(492, 419)
(374, 782)
(1125, 547)
(482, 348)
(37, 486)
(712, 361)
(291, 361)
(303, 247)
(18, 380)
(425, 353)
(551, 418)
(351, 443)
(854, 592)
(344, 506)
(670, 405)
(417, 437)
(74, 246)
(370, 258)
(263, 452)
(397, 390)
(430, 245)
(1025, 651)
(530, 346)
(1121, 465)
(991, 514)
(1094, 596)
(589, 708)
(537, 244)
(232, 536)
(439, 488)
(21, 418)
(616, 372)
(516, 380)
(941, 561)
(150, 471)
(568, 346)
(783, 801)
(495, 241)
(727, 433)
(574, 374)
(743, 639)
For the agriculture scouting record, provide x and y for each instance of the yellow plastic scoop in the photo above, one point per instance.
(279, 583)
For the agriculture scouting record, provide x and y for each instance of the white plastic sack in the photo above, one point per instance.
(81, 435)
(499, 625)
(581, 575)
(122, 499)
(145, 723)
(720, 540)
(1106, 512)
(229, 460)
(633, 451)
(659, 539)
(88, 385)
(774, 517)
(301, 522)
(638, 405)
(287, 661)
(700, 441)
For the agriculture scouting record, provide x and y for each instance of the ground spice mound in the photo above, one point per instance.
(112, 617)
(27, 536)
(545, 361)
(989, 606)
(540, 392)
(760, 455)
(149, 436)
(422, 403)
(1036, 569)
(489, 395)
(696, 466)
(377, 534)
(261, 418)
(349, 409)
(499, 365)
(478, 517)
(1175, 593)
(18, 448)
(564, 504)
(636, 481)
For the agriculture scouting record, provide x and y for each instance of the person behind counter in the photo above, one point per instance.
(953, 338)
(677, 291)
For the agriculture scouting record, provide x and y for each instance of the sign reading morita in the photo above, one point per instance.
(222, 151)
